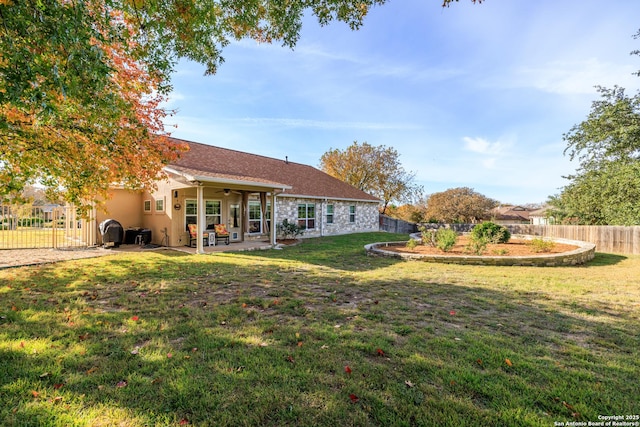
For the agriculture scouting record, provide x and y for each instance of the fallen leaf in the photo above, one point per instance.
(184, 422)
(299, 343)
(14, 308)
(380, 352)
(57, 386)
(57, 399)
(135, 351)
(324, 347)
(35, 393)
(409, 384)
(290, 359)
(83, 337)
(508, 362)
(92, 370)
(121, 384)
(479, 362)
(354, 398)
(44, 375)
(244, 305)
(347, 369)
(21, 344)
(156, 381)
(194, 349)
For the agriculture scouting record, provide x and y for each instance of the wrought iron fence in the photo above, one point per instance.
(44, 226)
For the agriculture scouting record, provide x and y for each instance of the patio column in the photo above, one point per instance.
(272, 230)
(200, 220)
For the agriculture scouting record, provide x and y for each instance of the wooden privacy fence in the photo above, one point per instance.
(393, 225)
(49, 226)
(607, 238)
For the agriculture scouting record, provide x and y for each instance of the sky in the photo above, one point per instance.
(472, 96)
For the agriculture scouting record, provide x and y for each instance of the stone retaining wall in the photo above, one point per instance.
(585, 252)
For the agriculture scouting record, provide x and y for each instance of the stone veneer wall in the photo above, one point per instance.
(585, 252)
(366, 216)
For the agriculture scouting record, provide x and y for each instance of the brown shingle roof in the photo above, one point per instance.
(511, 213)
(228, 165)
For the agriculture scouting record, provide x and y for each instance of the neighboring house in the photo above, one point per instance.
(247, 192)
(510, 215)
(542, 216)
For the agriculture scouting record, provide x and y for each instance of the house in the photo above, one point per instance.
(247, 192)
(542, 216)
(510, 215)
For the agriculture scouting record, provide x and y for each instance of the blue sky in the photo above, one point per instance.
(470, 96)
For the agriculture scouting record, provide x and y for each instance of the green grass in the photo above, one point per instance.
(263, 338)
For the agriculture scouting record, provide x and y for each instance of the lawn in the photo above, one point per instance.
(320, 335)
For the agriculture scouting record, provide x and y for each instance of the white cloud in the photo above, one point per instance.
(575, 77)
(482, 146)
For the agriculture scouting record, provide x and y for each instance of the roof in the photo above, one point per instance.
(543, 212)
(221, 165)
(510, 213)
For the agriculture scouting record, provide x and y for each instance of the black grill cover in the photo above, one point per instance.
(112, 232)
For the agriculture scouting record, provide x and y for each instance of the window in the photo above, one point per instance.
(307, 215)
(190, 213)
(352, 213)
(147, 205)
(159, 205)
(212, 213)
(255, 217)
(329, 214)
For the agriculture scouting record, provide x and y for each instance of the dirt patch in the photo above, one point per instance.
(515, 247)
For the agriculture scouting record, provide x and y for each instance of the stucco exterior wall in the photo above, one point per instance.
(125, 206)
(366, 215)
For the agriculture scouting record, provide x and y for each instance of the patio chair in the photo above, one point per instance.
(193, 236)
(222, 233)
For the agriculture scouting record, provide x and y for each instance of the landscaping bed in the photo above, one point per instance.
(515, 247)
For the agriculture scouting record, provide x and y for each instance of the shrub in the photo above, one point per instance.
(477, 245)
(540, 245)
(289, 230)
(411, 244)
(491, 232)
(428, 236)
(446, 238)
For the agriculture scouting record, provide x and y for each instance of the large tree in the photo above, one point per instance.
(81, 80)
(606, 187)
(458, 205)
(373, 169)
